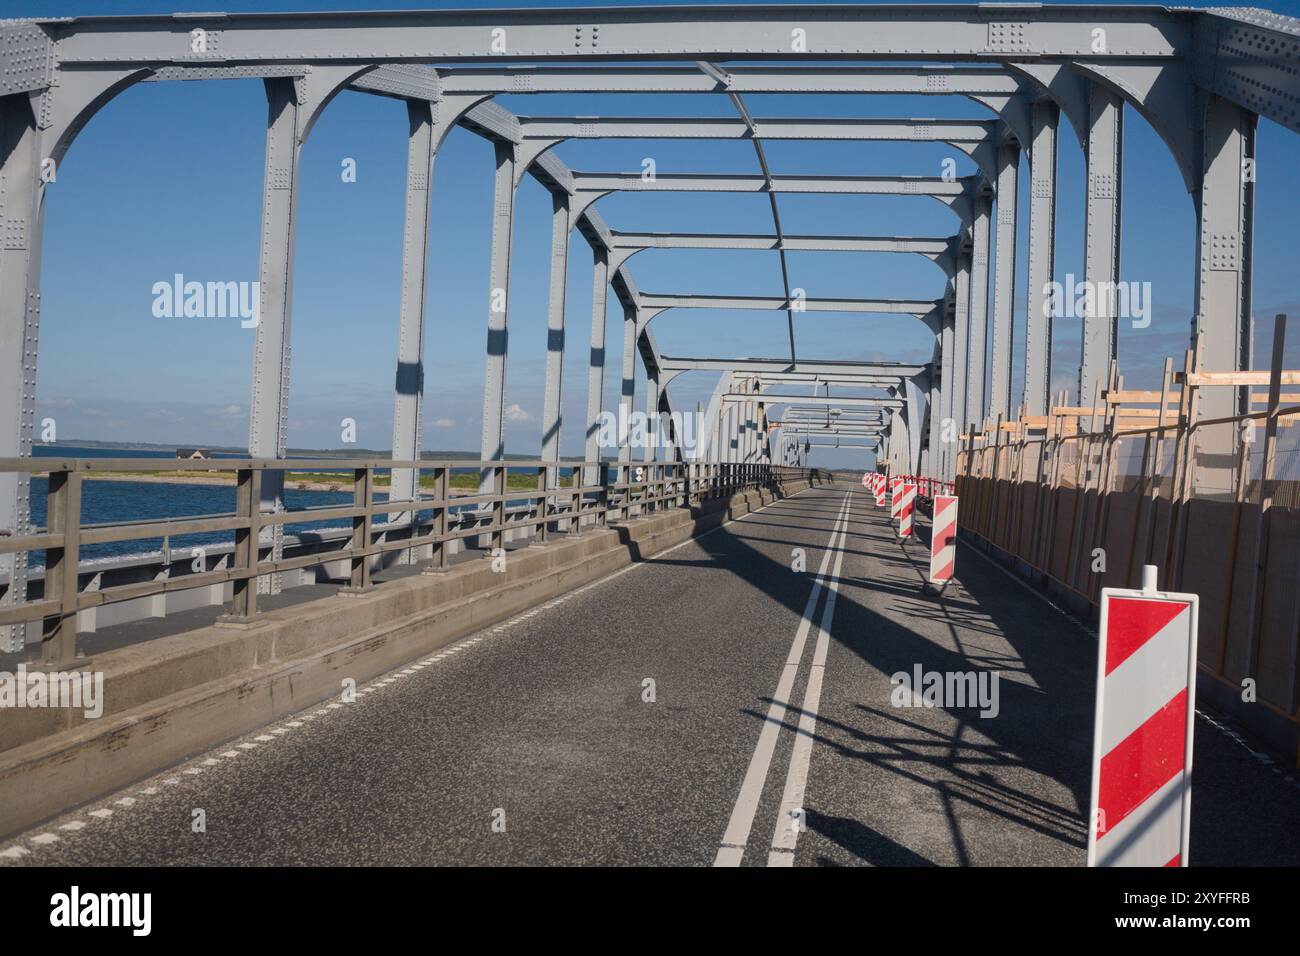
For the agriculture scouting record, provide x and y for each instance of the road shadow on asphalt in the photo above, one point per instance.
(987, 621)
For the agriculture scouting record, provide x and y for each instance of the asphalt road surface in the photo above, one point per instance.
(725, 703)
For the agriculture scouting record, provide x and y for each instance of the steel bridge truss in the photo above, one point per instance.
(1201, 78)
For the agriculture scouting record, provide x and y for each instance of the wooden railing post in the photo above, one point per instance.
(1186, 466)
(59, 632)
(248, 504)
(543, 504)
(602, 473)
(1254, 624)
(439, 550)
(575, 502)
(360, 582)
(500, 481)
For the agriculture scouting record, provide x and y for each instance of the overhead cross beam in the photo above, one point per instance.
(830, 401)
(694, 127)
(809, 366)
(948, 33)
(654, 301)
(927, 80)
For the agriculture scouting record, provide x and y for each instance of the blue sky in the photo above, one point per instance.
(167, 179)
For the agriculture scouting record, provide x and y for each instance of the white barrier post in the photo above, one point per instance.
(1142, 735)
(906, 508)
(943, 540)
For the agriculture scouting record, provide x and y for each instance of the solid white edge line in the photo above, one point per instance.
(741, 821)
(785, 836)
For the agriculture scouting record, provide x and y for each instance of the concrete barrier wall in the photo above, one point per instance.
(172, 697)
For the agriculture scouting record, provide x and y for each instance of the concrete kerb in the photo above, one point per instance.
(170, 698)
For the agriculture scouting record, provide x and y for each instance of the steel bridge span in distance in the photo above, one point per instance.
(778, 716)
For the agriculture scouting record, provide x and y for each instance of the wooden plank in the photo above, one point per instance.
(1119, 397)
(1261, 377)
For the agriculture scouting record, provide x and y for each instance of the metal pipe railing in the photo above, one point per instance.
(634, 489)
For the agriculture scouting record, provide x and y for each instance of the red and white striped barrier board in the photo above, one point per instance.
(880, 492)
(895, 497)
(866, 479)
(1142, 736)
(943, 539)
(905, 509)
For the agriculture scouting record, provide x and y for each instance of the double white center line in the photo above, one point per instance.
(790, 819)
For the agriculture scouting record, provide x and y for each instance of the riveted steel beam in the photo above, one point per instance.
(1045, 120)
(627, 391)
(763, 366)
(596, 360)
(819, 400)
(948, 33)
(409, 398)
(1225, 205)
(935, 186)
(686, 240)
(658, 302)
(403, 81)
(849, 415)
(1246, 56)
(856, 130)
(939, 251)
(977, 322)
(1101, 239)
(933, 80)
(1004, 279)
(498, 324)
(552, 407)
(22, 214)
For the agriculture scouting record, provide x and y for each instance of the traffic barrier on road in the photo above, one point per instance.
(895, 497)
(1142, 734)
(881, 491)
(906, 508)
(943, 539)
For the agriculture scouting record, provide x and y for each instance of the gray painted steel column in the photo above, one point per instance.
(1004, 281)
(742, 433)
(498, 336)
(933, 453)
(961, 344)
(729, 433)
(268, 409)
(596, 366)
(1225, 209)
(652, 415)
(1045, 119)
(914, 396)
(1101, 239)
(747, 435)
(409, 397)
(552, 409)
(945, 448)
(22, 212)
(628, 392)
(977, 341)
